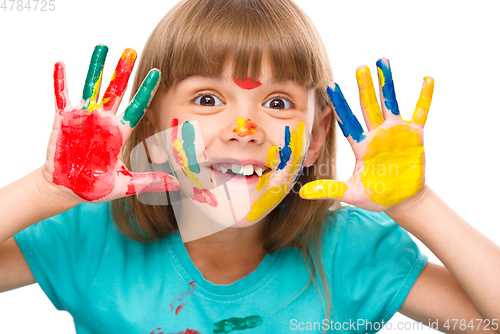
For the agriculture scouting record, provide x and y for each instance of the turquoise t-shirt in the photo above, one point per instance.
(112, 284)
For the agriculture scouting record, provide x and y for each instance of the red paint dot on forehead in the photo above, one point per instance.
(247, 83)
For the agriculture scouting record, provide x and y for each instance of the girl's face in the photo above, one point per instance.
(250, 141)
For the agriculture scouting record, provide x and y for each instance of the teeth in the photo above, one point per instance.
(236, 169)
(247, 170)
(239, 169)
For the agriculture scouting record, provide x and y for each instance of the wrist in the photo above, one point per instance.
(53, 195)
(411, 207)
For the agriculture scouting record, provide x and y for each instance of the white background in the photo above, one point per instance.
(456, 42)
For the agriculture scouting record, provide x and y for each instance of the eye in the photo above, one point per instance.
(278, 103)
(207, 100)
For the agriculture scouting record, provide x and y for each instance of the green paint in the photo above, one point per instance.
(188, 145)
(95, 70)
(142, 98)
(228, 325)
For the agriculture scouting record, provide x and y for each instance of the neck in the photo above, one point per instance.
(229, 254)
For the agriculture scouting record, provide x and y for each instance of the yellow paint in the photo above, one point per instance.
(381, 77)
(93, 106)
(184, 164)
(393, 165)
(271, 160)
(368, 97)
(424, 101)
(323, 189)
(245, 127)
(267, 201)
(298, 146)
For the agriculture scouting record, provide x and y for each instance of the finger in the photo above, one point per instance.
(387, 93)
(424, 101)
(60, 87)
(347, 121)
(142, 99)
(94, 75)
(114, 93)
(369, 104)
(149, 182)
(319, 189)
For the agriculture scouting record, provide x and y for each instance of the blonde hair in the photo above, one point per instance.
(200, 37)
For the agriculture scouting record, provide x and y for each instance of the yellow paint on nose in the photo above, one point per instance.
(393, 165)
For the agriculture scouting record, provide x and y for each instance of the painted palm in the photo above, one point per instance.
(84, 152)
(390, 160)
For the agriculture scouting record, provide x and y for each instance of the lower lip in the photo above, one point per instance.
(225, 177)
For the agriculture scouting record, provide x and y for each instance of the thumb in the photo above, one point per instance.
(151, 182)
(320, 189)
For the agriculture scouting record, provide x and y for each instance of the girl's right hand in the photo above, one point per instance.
(84, 156)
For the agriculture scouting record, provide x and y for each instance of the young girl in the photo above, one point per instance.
(268, 260)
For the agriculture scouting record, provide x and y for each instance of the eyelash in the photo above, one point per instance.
(292, 105)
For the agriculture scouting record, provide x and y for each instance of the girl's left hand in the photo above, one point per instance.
(390, 160)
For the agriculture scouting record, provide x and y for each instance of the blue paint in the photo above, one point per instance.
(286, 151)
(388, 88)
(348, 122)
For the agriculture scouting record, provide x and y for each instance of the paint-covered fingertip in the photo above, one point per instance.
(321, 189)
(99, 54)
(153, 78)
(59, 70)
(383, 62)
(129, 54)
(428, 79)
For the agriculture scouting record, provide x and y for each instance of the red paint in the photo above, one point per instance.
(59, 86)
(188, 331)
(174, 130)
(179, 298)
(119, 79)
(148, 182)
(204, 196)
(247, 83)
(86, 154)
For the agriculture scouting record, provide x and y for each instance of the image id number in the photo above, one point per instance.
(28, 5)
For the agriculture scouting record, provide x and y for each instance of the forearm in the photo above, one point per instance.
(28, 201)
(471, 258)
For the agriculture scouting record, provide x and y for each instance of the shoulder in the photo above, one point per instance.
(354, 219)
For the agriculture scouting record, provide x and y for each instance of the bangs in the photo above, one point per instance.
(202, 37)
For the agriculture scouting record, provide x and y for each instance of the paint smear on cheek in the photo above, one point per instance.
(268, 200)
(245, 127)
(204, 196)
(390, 178)
(298, 145)
(234, 324)
(247, 83)
(188, 137)
(286, 151)
(181, 152)
(86, 153)
(271, 161)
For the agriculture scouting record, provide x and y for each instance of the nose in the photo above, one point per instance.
(243, 124)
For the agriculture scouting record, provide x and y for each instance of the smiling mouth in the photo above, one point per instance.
(241, 170)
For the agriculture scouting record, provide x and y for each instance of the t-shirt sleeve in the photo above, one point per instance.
(378, 264)
(64, 252)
